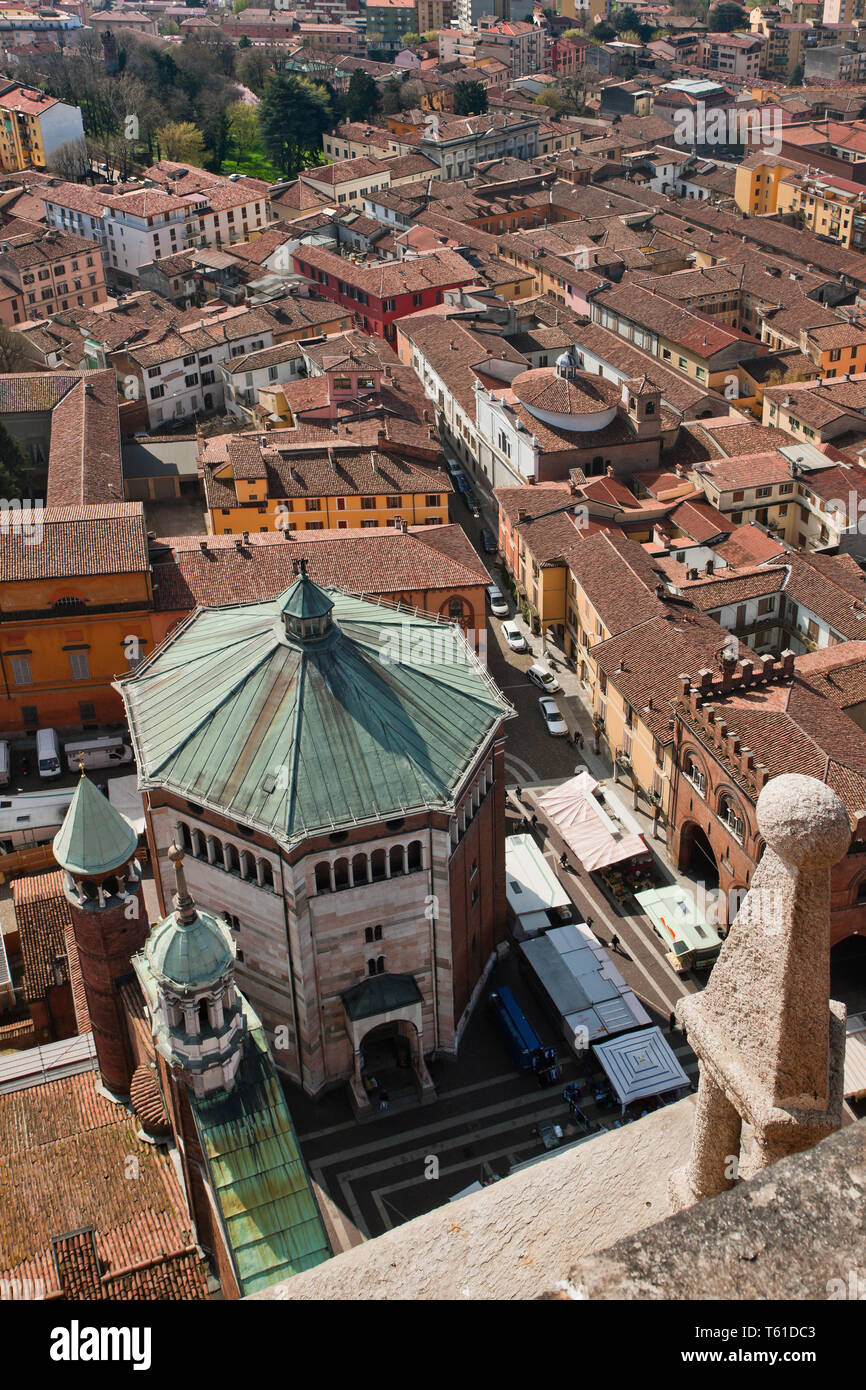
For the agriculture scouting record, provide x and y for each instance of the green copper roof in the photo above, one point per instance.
(305, 600)
(268, 1210)
(190, 955)
(383, 715)
(380, 995)
(94, 838)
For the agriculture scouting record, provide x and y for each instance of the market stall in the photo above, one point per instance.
(639, 1065)
(621, 856)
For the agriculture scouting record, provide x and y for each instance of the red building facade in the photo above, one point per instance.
(380, 293)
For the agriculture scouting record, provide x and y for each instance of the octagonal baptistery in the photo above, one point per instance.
(333, 769)
(567, 398)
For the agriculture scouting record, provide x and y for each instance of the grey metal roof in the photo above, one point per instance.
(160, 458)
(382, 716)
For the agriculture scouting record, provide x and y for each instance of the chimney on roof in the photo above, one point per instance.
(788, 663)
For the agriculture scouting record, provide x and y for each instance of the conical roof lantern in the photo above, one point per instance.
(94, 839)
(306, 609)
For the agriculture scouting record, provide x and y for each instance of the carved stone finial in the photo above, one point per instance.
(770, 1041)
(182, 902)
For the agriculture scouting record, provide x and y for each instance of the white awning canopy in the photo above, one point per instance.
(855, 1057)
(642, 1064)
(586, 827)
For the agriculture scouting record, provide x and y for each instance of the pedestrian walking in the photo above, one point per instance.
(384, 1100)
(614, 944)
(518, 792)
(672, 1021)
(589, 921)
(534, 820)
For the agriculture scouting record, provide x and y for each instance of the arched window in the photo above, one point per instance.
(378, 861)
(184, 837)
(203, 1014)
(861, 892)
(248, 865)
(323, 877)
(230, 858)
(730, 816)
(267, 874)
(341, 873)
(414, 856)
(455, 609)
(650, 408)
(395, 857)
(199, 845)
(360, 869)
(694, 775)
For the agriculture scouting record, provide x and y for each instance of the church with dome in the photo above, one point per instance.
(550, 421)
(332, 770)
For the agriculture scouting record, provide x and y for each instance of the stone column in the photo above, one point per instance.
(770, 1042)
(715, 1142)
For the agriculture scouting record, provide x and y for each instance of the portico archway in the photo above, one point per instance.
(385, 1026)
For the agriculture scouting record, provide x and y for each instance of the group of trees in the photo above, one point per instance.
(292, 119)
(470, 98)
(148, 101)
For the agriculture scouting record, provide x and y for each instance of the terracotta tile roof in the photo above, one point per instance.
(728, 438)
(379, 561)
(312, 473)
(716, 592)
(84, 452)
(76, 542)
(791, 728)
(64, 1165)
(747, 470)
(838, 673)
(619, 579)
(687, 330)
(383, 280)
(42, 914)
(343, 171)
(643, 662)
(542, 388)
(748, 545)
(821, 402)
(677, 390)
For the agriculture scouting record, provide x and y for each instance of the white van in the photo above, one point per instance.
(48, 753)
(97, 752)
(5, 762)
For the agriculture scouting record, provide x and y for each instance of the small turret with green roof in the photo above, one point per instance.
(306, 609)
(190, 949)
(94, 839)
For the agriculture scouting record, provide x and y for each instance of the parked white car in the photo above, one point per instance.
(541, 676)
(496, 599)
(514, 637)
(553, 720)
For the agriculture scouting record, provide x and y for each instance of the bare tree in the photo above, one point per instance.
(14, 356)
(70, 160)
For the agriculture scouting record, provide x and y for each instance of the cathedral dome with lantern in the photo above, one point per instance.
(566, 397)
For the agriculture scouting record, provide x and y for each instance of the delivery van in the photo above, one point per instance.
(107, 751)
(48, 753)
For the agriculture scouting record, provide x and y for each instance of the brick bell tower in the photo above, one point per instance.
(96, 848)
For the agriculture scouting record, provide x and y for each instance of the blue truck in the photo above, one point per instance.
(524, 1045)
